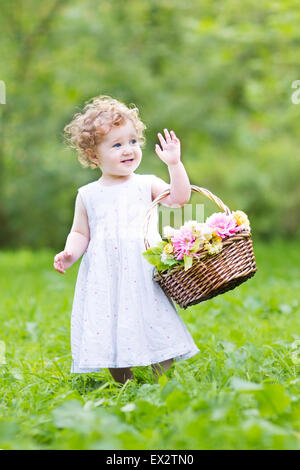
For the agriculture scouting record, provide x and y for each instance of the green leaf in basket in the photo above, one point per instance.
(151, 258)
(171, 262)
(161, 266)
(153, 253)
(188, 261)
(156, 250)
(161, 245)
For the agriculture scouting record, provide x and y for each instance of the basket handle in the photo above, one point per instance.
(197, 189)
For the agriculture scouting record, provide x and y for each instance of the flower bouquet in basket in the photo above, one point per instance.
(201, 260)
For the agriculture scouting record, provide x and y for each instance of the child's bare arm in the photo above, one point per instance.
(79, 236)
(77, 240)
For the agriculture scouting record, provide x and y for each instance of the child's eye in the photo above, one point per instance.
(132, 140)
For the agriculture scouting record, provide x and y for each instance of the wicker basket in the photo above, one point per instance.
(210, 275)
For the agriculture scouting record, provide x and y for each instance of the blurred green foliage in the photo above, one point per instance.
(219, 74)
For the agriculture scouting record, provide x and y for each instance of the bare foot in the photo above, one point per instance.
(121, 374)
(162, 367)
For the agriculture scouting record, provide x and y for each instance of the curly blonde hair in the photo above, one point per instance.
(86, 129)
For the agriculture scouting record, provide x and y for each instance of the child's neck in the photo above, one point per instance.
(110, 181)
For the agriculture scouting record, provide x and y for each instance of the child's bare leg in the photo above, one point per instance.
(164, 365)
(121, 374)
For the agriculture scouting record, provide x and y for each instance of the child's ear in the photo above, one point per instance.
(94, 162)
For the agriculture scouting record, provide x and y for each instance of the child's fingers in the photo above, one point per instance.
(174, 137)
(168, 137)
(58, 265)
(158, 150)
(59, 261)
(161, 139)
(61, 270)
(58, 268)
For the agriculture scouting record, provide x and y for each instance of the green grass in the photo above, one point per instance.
(241, 392)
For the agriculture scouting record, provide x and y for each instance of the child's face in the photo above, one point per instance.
(118, 144)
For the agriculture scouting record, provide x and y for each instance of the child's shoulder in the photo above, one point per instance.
(146, 180)
(152, 180)
(88, 186)
(86, 192)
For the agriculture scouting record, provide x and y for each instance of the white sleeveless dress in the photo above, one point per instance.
(120, 316)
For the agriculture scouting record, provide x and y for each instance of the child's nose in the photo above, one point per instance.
(126, 150)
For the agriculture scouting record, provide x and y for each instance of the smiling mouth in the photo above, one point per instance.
(129, 160)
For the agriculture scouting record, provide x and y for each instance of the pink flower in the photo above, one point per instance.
(183, 241)
(224, 225)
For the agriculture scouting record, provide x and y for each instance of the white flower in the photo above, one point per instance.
(200, 229)
(190, 225)
(203, 231)
(168, 231)
(164, 256)
(128, 407)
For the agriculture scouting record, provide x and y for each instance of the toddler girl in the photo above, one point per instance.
(120, 317)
